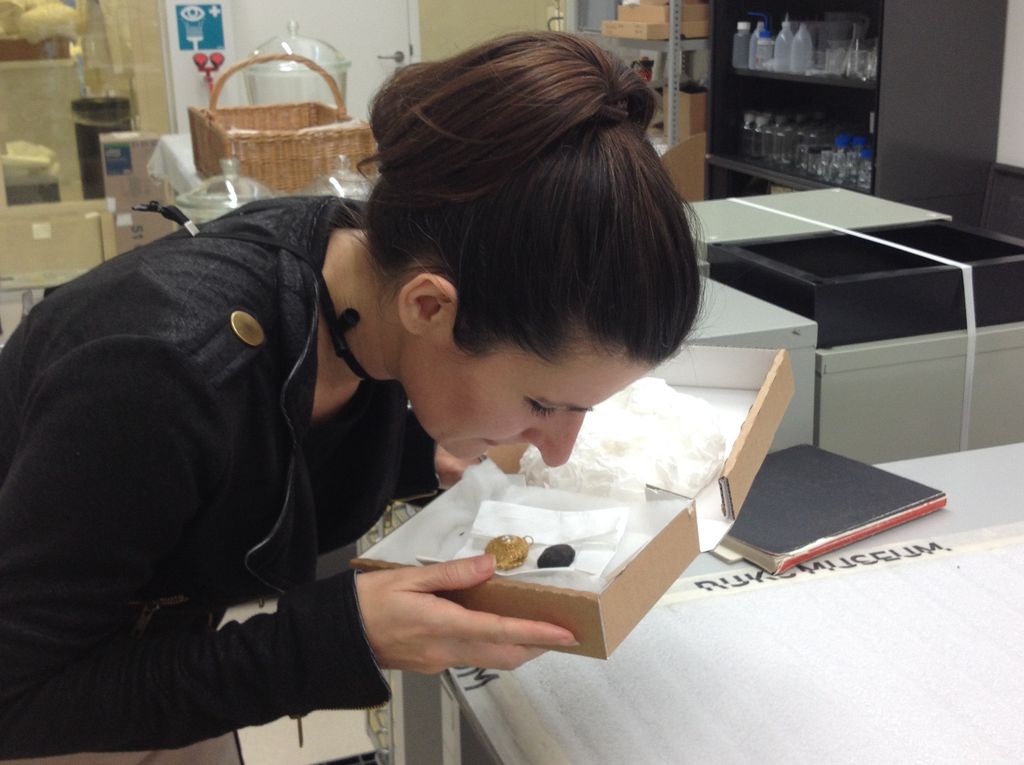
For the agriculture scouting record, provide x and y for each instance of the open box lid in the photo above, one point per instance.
(746, 385)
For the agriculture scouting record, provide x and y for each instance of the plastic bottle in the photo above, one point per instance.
(783, 47)
(752, 53)
(801, 51)
(741, 46)
(764, 54)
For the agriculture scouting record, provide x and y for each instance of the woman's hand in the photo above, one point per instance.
(411, 628)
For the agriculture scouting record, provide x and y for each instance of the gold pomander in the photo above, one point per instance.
(509, 551)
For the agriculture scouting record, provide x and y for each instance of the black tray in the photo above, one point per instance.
(858, 290)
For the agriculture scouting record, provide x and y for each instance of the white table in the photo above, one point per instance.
(903, 647)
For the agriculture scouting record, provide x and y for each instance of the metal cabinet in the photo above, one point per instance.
(901, 398)
(732, 318)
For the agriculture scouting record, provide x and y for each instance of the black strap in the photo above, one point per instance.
(337, 324)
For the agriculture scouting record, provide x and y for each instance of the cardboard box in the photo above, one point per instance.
(660, 13)
(750, 389)
(126, 182)
(49, 244)
(691, 114)
(635, 30)
(685, 163)
(652, 30)
(20, 49)
(695, 29)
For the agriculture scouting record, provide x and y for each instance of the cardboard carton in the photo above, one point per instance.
(750, 389)
(660, 13)
(691, 113)
(653, 30)
(685, 163)
(695, 29)
(48, 244)
(635, 30)
(126, 182)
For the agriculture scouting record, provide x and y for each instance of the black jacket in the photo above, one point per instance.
(156, 469)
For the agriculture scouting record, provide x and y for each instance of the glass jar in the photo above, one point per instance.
(221, 194)
(277, 82)
(343, 181)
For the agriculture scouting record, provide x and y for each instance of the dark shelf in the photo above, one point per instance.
(770, 172)
(830, 80)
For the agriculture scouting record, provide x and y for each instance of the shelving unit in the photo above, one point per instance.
(674, 48)
(932, 113)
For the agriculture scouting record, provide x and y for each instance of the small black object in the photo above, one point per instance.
(556, 556)
(170, 212)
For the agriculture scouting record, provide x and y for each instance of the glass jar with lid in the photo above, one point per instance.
(221, 194)
(276, 82)
(342, 181)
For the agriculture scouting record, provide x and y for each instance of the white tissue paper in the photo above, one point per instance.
(648, 433)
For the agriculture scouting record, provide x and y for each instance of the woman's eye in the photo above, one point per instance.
(539, 409)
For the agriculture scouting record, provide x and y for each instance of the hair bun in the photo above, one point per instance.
(617, 112)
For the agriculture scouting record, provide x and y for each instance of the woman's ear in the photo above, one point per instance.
(427, 305)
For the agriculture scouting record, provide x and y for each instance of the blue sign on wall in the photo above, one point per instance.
(200, 27)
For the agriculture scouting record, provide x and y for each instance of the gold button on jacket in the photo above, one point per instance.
(247, 328)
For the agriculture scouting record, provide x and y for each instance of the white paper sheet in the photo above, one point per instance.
(442, 528)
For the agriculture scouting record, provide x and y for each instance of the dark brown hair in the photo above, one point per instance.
(520, 171)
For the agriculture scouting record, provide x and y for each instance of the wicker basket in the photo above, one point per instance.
(285, 146)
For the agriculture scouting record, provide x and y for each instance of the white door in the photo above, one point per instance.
(363, 31)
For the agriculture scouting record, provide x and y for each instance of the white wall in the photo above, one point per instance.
(1011, 114)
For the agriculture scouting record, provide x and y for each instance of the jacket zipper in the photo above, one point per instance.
(149, 608)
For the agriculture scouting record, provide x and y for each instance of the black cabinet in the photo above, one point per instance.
(931, 114)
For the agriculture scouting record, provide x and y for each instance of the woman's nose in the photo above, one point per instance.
(555, 440)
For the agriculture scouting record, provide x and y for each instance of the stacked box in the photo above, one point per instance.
(649, 21)
(126, 182)
(692, 113)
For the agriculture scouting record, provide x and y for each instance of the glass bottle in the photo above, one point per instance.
(747, 135)
(760, 142)
(840, 159)
(865, 169)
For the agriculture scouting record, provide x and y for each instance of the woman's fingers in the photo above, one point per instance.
(478, 626)
(458, 574)
(409, 627)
